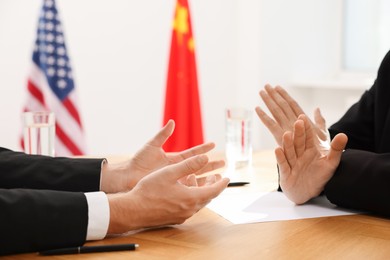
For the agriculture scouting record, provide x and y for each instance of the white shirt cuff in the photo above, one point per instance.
(98, 215)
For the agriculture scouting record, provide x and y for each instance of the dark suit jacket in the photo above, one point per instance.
(362, 180)
(42, 204)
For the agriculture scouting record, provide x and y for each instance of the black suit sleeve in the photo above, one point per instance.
(367, 123)
(19, 170)
(42, 204)
(362, 182)
(34, 220)
(362, 179)
(358, 123)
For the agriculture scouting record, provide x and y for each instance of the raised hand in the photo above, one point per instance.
(285, 111)
(124, 176)
(304, 170)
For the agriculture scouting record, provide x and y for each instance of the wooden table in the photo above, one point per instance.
(208, 236)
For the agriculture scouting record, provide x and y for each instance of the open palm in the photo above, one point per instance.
(304, 170)
(285, 111)
(152, 156)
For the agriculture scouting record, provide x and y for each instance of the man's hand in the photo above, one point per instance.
(161, 199)
(285, 111)
(151, 157)
(304, 170)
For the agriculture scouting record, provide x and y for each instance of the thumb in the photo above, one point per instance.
(162, 136)
(319, 119)
(337, 147)
(320, 122)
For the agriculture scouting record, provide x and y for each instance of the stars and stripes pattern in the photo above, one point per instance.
(51, 86)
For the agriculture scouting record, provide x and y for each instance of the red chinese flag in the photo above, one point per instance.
(182, 97)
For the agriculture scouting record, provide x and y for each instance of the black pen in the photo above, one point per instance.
(237, 183)
(89, 249)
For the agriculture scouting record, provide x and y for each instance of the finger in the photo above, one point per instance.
(282, 103)
(299, 137)
(337, 147)
(189, 166)
(211, 166)
(289, 149)
(199, 149)
(210, 179)
(191, 181)
(273, 107)
(284, 167)
(271, 124)
(320, 123)
(309, 132)
(292, 103)
(208, 192)
(201, 181)
(206, 181)
(162, 136)
(319, 119)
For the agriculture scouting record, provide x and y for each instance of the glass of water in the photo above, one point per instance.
(39, 132)
(238, 137)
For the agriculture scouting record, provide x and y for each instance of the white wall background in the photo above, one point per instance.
(119, 54)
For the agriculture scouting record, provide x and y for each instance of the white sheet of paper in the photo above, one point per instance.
(242, 207)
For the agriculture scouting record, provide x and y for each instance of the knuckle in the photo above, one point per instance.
(283, 103)
(276, 110)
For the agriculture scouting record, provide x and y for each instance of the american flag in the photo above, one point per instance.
(51, 86)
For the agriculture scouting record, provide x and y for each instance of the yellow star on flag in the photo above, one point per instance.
(180, 23)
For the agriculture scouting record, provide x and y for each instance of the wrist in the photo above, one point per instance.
(114, 177)
(123, 214)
